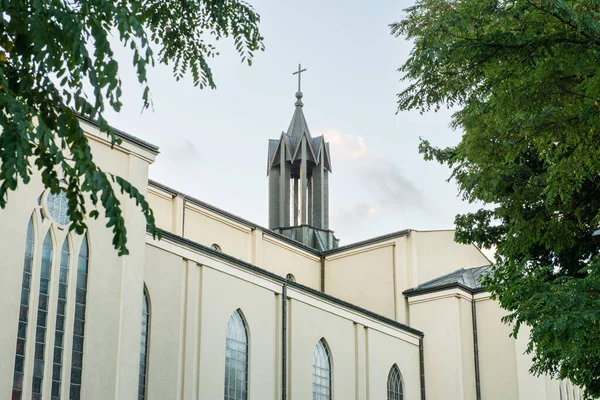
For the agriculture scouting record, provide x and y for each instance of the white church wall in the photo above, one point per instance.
(308, 325)
(497, 355)
(131, 282)
(448, 345)
(208, 228)
(437, 254)
(165, 280)
(222, 295)
(215, 290)
(465, 322)
(383, 352)
(504, 366)
(282, 259)
(530, 386)
(162, 205)
(364, 276)
(243, 241)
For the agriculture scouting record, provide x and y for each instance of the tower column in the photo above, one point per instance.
(310, 202)
(296, 201)
(274, 197)
(284, 198)
(304, 181)
(318, 192)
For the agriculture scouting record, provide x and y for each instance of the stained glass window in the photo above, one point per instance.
(236, 359)
(321, 372)
(63, 281)
(57, 207)
(144, 347)
(79, 322)
(394, 384)
(42, 318)
(17, 390)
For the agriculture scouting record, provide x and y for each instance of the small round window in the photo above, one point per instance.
(57, 207)
(216, 247)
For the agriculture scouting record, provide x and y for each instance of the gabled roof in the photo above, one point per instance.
(273, 147)
(467, 279)
(310, 152)
(318, 144)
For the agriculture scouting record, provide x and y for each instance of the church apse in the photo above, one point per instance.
(298, 169)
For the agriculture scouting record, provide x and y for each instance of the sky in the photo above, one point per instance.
(213, 143)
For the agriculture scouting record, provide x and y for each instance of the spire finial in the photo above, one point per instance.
(299, 92)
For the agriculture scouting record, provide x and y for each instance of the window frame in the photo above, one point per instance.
(145, 341)
(395, 384)
(318, 356)
(239, 392)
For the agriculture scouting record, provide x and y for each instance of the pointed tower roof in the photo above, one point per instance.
(298, 126)
(297, 132)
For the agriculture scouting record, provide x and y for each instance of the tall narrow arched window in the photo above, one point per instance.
(144, 347)
(321, 372)
(42, 318)
(63, 281)
(23, 314)
(236, 358)
(395, 390)
(79, 321)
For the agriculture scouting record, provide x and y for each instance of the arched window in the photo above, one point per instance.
(144, 347)
(236, 358)
(61, 307)
(53, 298)
(79, 321)
(42, 318)
(216, 247)
(290, 277)
(321, 372)
(23, 314)
(394, 384)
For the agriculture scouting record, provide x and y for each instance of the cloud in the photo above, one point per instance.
(376, 195)
(382, 178)
(182, 152)
(354, 214)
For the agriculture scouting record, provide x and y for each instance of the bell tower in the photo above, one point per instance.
(298, 168)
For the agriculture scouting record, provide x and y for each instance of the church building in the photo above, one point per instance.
(222, 308)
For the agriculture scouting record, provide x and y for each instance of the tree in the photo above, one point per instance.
(524, 78)
(56, 62)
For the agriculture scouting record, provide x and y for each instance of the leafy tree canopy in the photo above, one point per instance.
(524, 76)
(56, 62)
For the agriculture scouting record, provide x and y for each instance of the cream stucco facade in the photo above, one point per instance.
(364, 300)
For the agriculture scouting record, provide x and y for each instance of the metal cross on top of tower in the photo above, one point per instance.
(299, 73)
